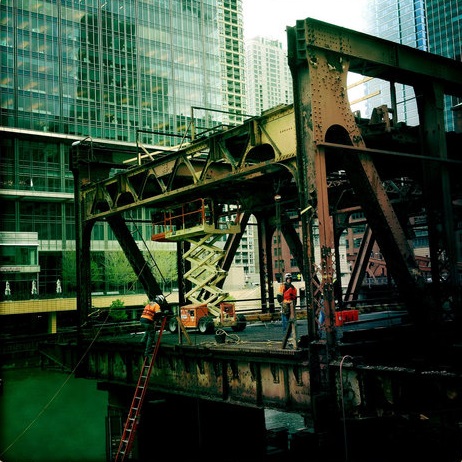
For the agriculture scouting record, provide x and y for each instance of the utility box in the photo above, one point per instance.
(341, 317)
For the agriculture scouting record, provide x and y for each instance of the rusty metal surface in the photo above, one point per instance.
(249, 369)
(320, 56)
(240, 155)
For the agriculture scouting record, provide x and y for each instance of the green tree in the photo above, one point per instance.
(115, 311)
(163, 265)
(118, 270)
(69, 271)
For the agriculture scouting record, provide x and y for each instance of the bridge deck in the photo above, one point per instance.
(260, 336)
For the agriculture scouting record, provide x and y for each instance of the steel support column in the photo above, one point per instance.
(443, 251)
(134, 255)
(265, 237)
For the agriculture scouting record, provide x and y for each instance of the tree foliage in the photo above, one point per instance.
(69, 271)
(164, 266)
(116, 313)
(118, 270)
(114, 270)
(69, 277)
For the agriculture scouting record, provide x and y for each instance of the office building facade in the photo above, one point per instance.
(428, 25)
(444, 23)
(117, 72)
(403, 22)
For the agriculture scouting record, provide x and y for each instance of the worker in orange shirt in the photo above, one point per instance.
(151, 312)
(286, 297)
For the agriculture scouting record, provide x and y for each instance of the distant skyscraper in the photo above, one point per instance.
(116, 71)
(268, 78)
(403, 22)
(429, 25)
(231, 58)
(444, 19)
(445, 28)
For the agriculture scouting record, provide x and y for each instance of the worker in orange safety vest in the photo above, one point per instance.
(151, 312)
(286, 297)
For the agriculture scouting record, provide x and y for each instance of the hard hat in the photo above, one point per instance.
(288, 275)
(160, 299)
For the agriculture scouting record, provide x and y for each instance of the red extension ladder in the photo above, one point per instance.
(128, 435)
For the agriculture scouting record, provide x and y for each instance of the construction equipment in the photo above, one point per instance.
(206, 317)
(201, 224)
(131, 424)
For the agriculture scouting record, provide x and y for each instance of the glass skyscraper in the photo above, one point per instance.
(403, 22)
(116, 71)
(430, 25)
(445, 38)
(103, 69)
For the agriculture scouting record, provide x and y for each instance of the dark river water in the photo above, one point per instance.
(50, 416)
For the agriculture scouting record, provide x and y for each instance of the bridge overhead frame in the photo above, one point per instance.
(320, 57)
(324, 162)
(230, 167)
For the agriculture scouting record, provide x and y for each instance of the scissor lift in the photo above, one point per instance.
(202, 226)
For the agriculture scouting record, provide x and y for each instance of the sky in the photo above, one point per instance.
(269, 18)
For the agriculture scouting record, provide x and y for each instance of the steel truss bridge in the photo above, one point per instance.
(325, 163)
